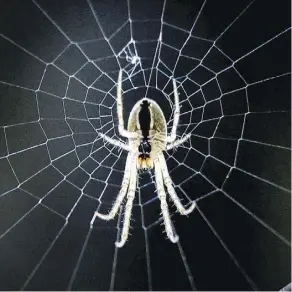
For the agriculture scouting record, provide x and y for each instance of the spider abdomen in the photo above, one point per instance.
(144, 118)
(147, 119)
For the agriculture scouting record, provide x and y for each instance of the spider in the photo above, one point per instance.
(147, 139)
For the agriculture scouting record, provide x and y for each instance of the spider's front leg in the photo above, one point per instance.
(129, 205)
(168, 182)
(131, 160)
(163, 204)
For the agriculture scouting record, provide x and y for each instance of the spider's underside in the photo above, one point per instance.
(146, 143)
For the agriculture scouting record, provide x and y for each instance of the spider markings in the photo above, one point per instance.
(144, 117)
(146, 138)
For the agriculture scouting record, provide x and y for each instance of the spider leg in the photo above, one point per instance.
(178, 142)
(168, 182)
(163, 204)
(129, 206)
(125, 183)
(172, 136)
(115, 142)
(123, 132)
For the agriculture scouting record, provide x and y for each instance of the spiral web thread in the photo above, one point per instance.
(52, 158)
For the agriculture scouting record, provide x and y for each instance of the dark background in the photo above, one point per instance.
(59, 62)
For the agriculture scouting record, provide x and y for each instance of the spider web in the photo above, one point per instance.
(60, 62)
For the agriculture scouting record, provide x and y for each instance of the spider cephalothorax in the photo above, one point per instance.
(147, 139)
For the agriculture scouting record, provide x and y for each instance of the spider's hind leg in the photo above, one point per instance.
(172, 136)
(121, 127)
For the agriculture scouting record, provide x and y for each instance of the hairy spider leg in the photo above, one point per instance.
(125, 183)
(121, 126)
(115, 142)
(163, 204)
(178, 142)
(168, 183)
(129, 206)
(172, 135)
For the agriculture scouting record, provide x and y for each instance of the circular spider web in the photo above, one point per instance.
(59, 66)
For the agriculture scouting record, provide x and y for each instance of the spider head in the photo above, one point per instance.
(144, 162)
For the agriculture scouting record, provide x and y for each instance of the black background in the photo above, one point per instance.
(59, 66)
